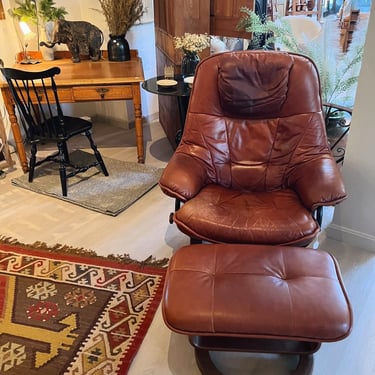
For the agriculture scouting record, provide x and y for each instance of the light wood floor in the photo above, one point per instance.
(143, 229)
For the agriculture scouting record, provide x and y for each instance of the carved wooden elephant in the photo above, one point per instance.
(81, 37)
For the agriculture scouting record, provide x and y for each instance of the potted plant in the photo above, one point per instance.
(32, 11)
(42, 14)
(120, 16)
(338, 72)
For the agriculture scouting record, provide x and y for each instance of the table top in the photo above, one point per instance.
(89, 72)
(181, 89)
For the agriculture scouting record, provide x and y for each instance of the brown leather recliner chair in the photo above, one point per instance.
(253, 165)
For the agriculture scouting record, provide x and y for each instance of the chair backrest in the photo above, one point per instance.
(253, 116)
(35, 96)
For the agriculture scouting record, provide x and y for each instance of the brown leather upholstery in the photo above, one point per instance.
(257, 291)
(253, 163)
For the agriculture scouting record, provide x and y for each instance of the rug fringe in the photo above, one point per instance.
(80, 251)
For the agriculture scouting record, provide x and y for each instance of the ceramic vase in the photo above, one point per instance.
(47, 34)
(189, 63)
(48, 53)
(118, 48)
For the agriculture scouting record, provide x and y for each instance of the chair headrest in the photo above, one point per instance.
(253, 84)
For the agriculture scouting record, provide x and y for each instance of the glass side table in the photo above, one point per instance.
(181, 91)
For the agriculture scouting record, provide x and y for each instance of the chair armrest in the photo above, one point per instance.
(183, 177)
(318, 183)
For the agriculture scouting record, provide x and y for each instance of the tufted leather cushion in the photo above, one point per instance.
(256, 291)
(221, 215)
(254, 87)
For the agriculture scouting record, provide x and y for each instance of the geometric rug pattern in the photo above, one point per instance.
(64, 314)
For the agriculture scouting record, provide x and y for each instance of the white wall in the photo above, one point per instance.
(9, 43)
(354, 219)
(140, 36)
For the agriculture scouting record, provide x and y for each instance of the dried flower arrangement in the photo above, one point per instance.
(192, 43)
(121, 15)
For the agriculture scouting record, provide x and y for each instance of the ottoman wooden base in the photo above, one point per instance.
(268, 299)
(204, 344)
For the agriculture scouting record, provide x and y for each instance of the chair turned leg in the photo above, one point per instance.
(32, 162)
(62, 170)
(64, 187)
(97, 153)
(65, 152)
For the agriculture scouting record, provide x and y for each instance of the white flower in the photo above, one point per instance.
(192, 42)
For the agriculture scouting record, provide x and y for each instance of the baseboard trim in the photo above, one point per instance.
(125, 123)
(120, 123)
(152, 117)
(351, 237)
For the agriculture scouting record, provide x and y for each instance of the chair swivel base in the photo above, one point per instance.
(204, 344)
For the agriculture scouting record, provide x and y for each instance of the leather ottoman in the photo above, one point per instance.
(269, 299)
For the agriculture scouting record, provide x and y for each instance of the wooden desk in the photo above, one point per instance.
(84, 82)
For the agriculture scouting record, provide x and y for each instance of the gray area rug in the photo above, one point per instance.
(110, 195)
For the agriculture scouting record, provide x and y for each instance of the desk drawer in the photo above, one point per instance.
(65, 95)
(102, 93)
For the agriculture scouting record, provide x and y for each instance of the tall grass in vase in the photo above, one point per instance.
(120, 16)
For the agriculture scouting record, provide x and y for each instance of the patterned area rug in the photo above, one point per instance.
(67, 314)
(110, 195)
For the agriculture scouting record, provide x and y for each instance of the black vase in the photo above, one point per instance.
(189, 63)
(118, 48)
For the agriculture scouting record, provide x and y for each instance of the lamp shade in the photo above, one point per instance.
(26, 31)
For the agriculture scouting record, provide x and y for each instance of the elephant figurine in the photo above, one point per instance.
(81, 37)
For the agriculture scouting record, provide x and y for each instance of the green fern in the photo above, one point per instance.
(49, 12)
(26, 11)
(46, 11)
(338, 72)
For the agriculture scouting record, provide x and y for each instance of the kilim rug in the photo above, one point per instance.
(67, 314)
(110, 195)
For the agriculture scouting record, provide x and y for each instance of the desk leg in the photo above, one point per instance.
(138, 122)
(9, 105)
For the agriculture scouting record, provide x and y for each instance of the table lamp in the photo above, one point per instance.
(27, 35)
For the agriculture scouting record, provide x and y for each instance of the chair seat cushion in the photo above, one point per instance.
(218, 214)
(256, 291)
(72, 126)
